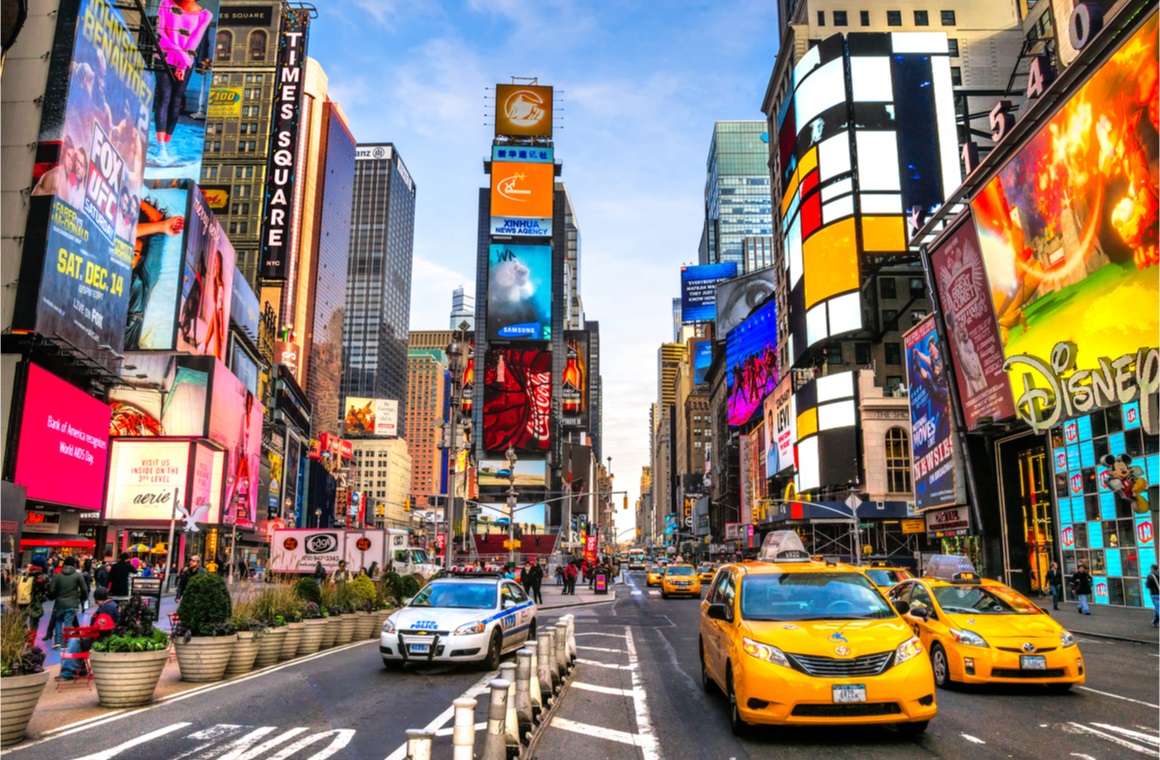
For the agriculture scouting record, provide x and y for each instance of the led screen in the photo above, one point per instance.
(370, 416)
(826, 431)
(521, 198)
(737, 297)
(574, 383)
(178, 408)
(933, 461)
(751, 363)
(523, 110)
(235, 421)
(147, 479)
(519, 292)
(158, 262)
(517, 400)
(702, 360)
(206, 285)
(699, 290)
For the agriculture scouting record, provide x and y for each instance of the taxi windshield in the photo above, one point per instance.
(468, 596)
(983, 600)
(680, 570)
(704, 569)
(884, 577)
(811, 596)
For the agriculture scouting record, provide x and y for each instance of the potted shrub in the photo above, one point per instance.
(343, 603)
(331, 613)
(313, 616)
(250, 631)
(204, 636)
(127, 664)
(22, 677)
(291, 607)
(363, 593)
(268, 612)
(384, 603)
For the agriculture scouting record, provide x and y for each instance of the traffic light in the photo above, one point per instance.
(407, 504)
(626, 502)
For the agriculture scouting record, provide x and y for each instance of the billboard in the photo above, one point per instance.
(63, 445)
(957, 266)
(737, 297)
(751, 363)
(299, 550)
(147, 479)
(158, 263)
(574, 383)
(780, 427)
(826, 426)
(235, 422)
(371, 416)
(702, 360)
(497, 474)
(521, 198)
(931, 430)
(1068, 227)
(517, 399)
(699, 290)
(206, 284)
(281, 168)
(245, 310)
(519, 292)
(532, 154)
(178, 409)
(82, 222)
(523, 110)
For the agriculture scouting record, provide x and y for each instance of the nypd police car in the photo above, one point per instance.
(460, 619)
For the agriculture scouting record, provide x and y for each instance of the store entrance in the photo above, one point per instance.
(1028, 528)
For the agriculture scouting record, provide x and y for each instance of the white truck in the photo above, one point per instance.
(299, 550)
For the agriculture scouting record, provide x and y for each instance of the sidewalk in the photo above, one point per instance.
(1123, 623)
(554, 598)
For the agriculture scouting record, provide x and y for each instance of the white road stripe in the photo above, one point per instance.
(112, 752)
(601, 633)
(598, 732)
(972, 739)
(242, 749)
(1138, 736)
(1117, 696)
(609, 665)
(603, 689)
(342, 737)
(476, 689)
(636, 592)
(1115, 739)
(653, 592)
(648, 744)
(600, 649)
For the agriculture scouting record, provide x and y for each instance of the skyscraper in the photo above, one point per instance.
(462, 308)
(737, 199)
(426, 405)
(378, 298)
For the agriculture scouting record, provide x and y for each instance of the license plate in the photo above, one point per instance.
(849, 693)
(420, 648)
(1032, 662)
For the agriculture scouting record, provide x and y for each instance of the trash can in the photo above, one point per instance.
(601, 584)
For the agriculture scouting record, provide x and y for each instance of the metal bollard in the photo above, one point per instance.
(537, 696)
(463, 733)
(495, 745)
(545, 671)
(553, 662)
(561, 647)
(571, 638)
(523, 690)
(419, 743)
(507, 672)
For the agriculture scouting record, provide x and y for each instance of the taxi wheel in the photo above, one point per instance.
(1059, 688)
(940, 666)
(664, 595)
(736, 724)
(491, 661)
(706, 682)
(913, 729)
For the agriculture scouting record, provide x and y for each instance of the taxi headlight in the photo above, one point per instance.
(1066, 639)
(764, 652)
(968, 638)
(470, 628)
(388, 626)
(912, 647)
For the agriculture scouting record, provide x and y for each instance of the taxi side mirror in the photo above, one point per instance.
(902, 606)
(921, 612)
(718, 611)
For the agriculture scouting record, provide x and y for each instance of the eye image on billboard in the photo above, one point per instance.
(517, 400)
(737, 297)
(933, 462)
(519, 292)
(751, 363)
(699, 290)
(207, 284)
(158, 262)
(523, 110)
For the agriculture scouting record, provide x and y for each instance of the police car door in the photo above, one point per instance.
(516, 621)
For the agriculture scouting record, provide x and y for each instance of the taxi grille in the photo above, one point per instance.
(832, 667)
(1012, 673)
(423, 633)
(1040, 650)
(864, 710)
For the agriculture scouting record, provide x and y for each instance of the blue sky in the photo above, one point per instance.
(639, 85)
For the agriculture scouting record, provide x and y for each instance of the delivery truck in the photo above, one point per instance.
(299, 550)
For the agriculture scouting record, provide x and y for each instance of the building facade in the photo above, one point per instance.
(427, 388)
(462, 308)
(737, 200)
(382, 470)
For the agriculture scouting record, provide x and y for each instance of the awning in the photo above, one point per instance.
(56, 540)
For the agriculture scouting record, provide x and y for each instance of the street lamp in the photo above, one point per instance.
(510, 456)
(455, 367)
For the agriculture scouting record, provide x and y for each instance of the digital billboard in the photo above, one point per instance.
(931, 429)
(702, 360)
(699, 290)
(245, 310)
(523, 110)
(826, 427)
(780, 427)
(178, 408)
(371, 416)
(82, 221)
(235, 422)
(1068, 227)
(206, 284)
(574, 383)
(521, 198)
(158, 262)
(63, 445)
(737, 297)
(496, 474)
(751, 363)
(150, 481)
(519, 292)
(517, 399)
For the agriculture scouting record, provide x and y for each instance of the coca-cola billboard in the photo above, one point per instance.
(517, 400)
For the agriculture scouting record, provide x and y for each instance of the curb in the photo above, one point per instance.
(611, 598)
(1112, 637)
(528, 752)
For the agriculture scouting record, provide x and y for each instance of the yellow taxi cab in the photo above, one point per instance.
(982, 631)
(705, 573)
(654, 576)
(793, 641)
(680, 579)
(885, 576)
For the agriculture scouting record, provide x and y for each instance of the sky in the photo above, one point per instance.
(638, 87)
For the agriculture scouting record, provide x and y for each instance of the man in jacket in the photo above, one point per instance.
(105, 618)
(1054, 580)
(1081, 585)
(119, 577)
(67, 590)
(533, 578)
(36, 581)
(193, 568)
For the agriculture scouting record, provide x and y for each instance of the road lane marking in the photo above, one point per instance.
(972, 739)
(636, 592)
(609, 665)
(242, 749)
(1117, 696)
(599, 732)
(476, 689)
(1129, 733)
(112, 752)
(600, 649)
(653, 592)
(603, 689)
(342, 737)
(602, 633)
(1114, 739)
(649, 745)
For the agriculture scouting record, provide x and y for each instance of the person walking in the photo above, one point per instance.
(1153, 582)
(32, 590)
(341, 574)
(535, 576)
(570, 576)
(193, 568)
(1081, 586)
(119, 575)
(319, 574)
(1054, 580)
(67, 590)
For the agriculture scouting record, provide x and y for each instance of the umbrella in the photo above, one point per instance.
(159, 549)
(138, 548)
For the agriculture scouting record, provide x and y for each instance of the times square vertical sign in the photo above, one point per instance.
(277, 222)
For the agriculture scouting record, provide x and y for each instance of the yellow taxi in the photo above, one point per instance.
(680, 579)
(793, 641)
(654, 576)
(982, 631)
(705, 573)
(885, 576)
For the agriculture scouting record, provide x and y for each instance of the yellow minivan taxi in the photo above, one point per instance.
(680, 579)
(654, 575)
(982, 631)
(790, 640)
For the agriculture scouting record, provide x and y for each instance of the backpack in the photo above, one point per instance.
(24, 590)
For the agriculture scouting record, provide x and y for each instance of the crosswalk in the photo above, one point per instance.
(1141, 739)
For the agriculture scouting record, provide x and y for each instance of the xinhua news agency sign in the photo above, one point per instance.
(280, 174)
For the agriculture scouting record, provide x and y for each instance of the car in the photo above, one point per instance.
(885, 576)
(705, 573)
(983, 631)
(795, 641)
(459, 620)
(680, 579)
(655, 573)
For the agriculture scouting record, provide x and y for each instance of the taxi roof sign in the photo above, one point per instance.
(950, 567)
(783, 546)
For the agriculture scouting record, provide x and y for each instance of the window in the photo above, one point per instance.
(897, 461)
(834, 353)
(821, 18)
(887, 288)
(953, 47)
(257, 45)
(890, 319)
(893, 353)
(862, 354)
(864, 17)
(956, 76)
(223, 45)
(917, 287)
(894, 18)
(893, 383)
(211, 172)
(840, 18)
(921, 18)
(948, 18)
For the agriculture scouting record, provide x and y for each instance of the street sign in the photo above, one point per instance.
(853, 502)
(474, 510)
(689, 521)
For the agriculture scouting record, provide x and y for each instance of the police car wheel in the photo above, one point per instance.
(491, 661)
(392, 664)
(940, 666)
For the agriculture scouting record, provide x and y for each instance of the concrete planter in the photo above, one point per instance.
(290, 643)
(127, 679)
(329, 632)
(364, 625)
(269, 646)
(244, 654)
(345, 630)
(380, 618)
(18, 698)
(204, 658)
(311, 636)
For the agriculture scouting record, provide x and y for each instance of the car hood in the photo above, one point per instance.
(995, 628)
(436, 619)
(825, 637)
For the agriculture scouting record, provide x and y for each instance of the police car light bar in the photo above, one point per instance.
(783, 546)
(949, 567)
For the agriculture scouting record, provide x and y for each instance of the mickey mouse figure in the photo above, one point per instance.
(1125, 481)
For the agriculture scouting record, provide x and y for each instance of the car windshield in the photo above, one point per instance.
(469, 596)
(704, 569)
(681, 570)
(884, 577)
(811, 596)
(654, 569)
(983, 600)
(419, 556)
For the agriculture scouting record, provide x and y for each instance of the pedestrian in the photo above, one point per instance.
(535, 577)
(341, 574)
(193, 568)
(1154, 589)
(526, 576)
(1081, 586)
(119, 575)
(105, 618)
(1055, 585)
(31, 591)
(101, 576)
(571, 574)
(374, 568)
(319, 573)
(559, 575)
(67, 590)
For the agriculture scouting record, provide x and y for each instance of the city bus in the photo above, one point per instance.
(637, 559)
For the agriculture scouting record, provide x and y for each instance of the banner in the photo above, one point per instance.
(932, 443)
(519, 292)
(699, 290)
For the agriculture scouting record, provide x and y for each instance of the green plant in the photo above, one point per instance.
(17, 658)
(343, 599)
(156, 641)
(307, 589)
(136, 618)
(244, 616)
(205, 608)
(395, 588)
(279, 621)
(327, 599)
(312, 612)
(362, 593)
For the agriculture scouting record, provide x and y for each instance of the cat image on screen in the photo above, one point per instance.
(510, 299)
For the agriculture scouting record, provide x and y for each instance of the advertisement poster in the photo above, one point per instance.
(737, 297)
(574, 389)
(970, 321)
(751, 363)
(371, 416)
(180, 409)
(745, 462)
(205, 496)
(146, 478)
(523, 110)
(235, 421)
(521, 198)
(206, 285)
(181, 65)
(702, 360)
(87, 181)
(780, 427)
(519, 292)
(699, 290)
(63, 445)
(1068, 228)
(517, 400)
(933, 460)
(158, 264)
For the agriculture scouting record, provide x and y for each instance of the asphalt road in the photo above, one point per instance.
(637, 695)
